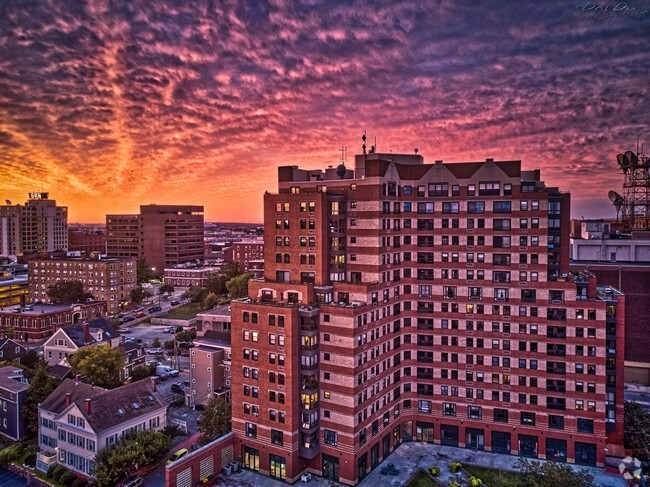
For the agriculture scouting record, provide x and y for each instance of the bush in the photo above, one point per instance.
(68, 478)
(30, 459)
(435, 471)
(168, 345)
(59, 472)
(179, 402)
(50, 470)
(475, 481)
(80, 482)
(455, 467)
(9, 454)
(453, 483)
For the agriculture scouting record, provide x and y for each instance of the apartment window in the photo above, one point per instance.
(424, 406)
(251, 430)
(528, 418)
(449, 409)
(476, 207)
(451, 207)
(331, 437)
(500, 415)
(502, 206)
(475, 412)
(277, 437)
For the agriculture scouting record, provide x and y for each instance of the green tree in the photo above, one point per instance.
(196, 294)
(102, 365)
(215, 283)
(156, 343)
(238, 286)
(215, 421)
(551, 474)
(143, 270)
(637, 430)
(128, 455)
(142, 372)
(41, 385)
(65, 292)
(186, 335)
(230, 269)
(210, 301)
(138, 294)
(167, 289)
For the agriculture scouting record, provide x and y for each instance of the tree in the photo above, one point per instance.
(102, 365)
(41, 385)
(186, 335)
(143, 270)
(238, 286)
(142, 372)
(215, 421)
(128, 455)
(196, 294)
(210, 301)
(215, 282)
(167, 289)
(551, 474)
(65, 292)
(156, 343)
(637, 430)
(230, 269)
(138, 294)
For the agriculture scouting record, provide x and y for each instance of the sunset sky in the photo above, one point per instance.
(112, 104)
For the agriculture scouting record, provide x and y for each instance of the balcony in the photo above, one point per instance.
(44, 460)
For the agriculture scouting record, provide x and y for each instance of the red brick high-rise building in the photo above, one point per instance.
(431, 302)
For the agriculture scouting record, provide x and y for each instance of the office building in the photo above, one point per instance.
(38, 226)
(405, 301)
(165, 235)
(86, 240)
(186, 275)
(107, 279)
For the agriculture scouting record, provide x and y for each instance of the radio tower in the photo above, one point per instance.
(636, 190)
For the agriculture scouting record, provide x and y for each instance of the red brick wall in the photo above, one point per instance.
(221, 451)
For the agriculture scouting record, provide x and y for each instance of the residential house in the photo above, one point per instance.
(77, 421)
(11, 350)
(13, 393)
(209, 368)
(67, 340)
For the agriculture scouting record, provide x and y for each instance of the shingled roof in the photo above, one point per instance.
(56, 401)
(121, 404)
(76, 331)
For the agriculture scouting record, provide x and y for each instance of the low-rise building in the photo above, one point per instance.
(67, 340)
(246, 251)
(38, 321)
(216, 319)
(13, 393)
(77, 421)
(188, 275)
(210, 363)
(13, 290)
(12, 351)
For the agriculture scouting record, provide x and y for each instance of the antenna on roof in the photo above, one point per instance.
(363, 138)
(344, 154)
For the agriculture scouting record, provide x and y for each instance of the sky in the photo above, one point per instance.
(112, 104)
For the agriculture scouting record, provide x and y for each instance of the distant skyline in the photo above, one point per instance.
(107, 105)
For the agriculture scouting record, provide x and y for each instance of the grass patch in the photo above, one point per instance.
(185, 312)
(494, 477)
(421, 479)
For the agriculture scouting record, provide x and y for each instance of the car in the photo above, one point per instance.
(169, 329)
(175, 303)
(178, 455)
(126, 319)
(178, 387)
(163, 376)
(137, 310)
(126, 330)
(129, 340)
(140, 314)
(199, 407)
(155, 351)
(179, 328)
(185, 345)
(155, 309)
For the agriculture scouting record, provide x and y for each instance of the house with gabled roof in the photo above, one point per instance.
(68, 339)
(77, 421)
(13, 394)
(11, 350)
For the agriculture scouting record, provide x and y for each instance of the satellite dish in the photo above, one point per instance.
(614, 197)
(341, 170)
(416, 150)
(8, 202)
(631, 157)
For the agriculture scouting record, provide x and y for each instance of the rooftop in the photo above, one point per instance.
(218, 311)
(11, 379)
(56, 401)
(76, 331)
(40, 309)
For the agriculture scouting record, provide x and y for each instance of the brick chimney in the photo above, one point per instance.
(153, 383)
(86, 327)
(88, 407)
(68, 399)
(122, 340)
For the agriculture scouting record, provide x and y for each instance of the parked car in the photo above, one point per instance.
(137, 310)
(169, 329)
(126, 319)
(199, 407)
(175, 303)
(126, 330)
(179, 328)
(178, 455)
(155, 309)
(140, 314)
(155, 351)
(178, 387)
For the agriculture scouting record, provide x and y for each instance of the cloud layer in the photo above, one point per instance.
(110, 104)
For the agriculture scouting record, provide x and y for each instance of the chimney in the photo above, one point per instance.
(153, 383)
(123, 340)
(88, 408)
(68, 399)
(86, 332)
